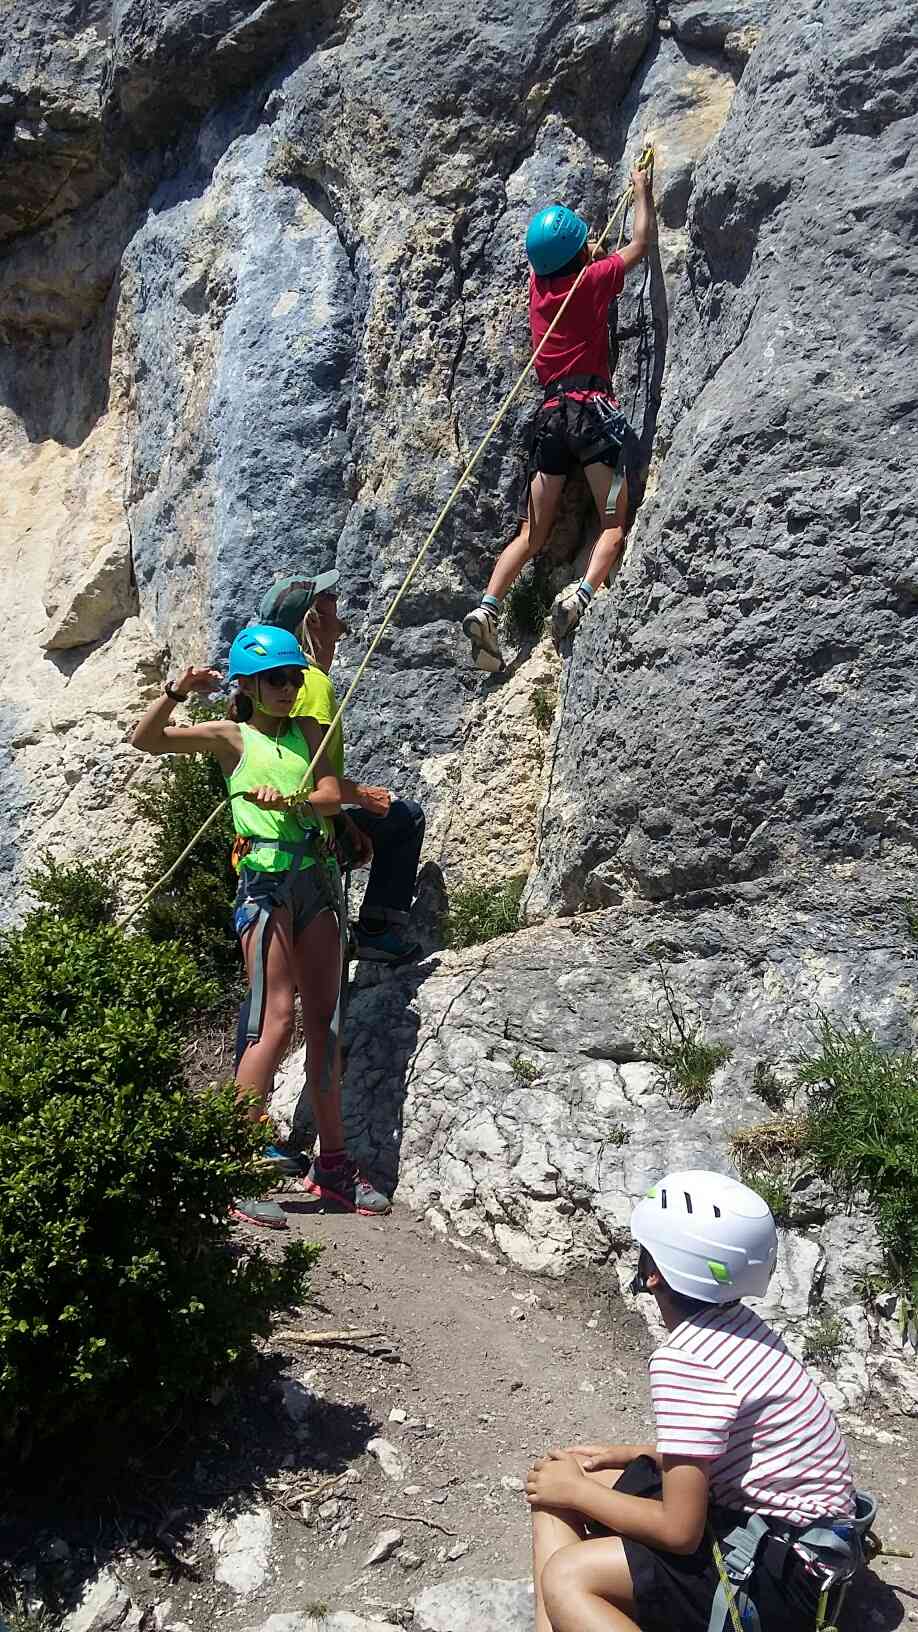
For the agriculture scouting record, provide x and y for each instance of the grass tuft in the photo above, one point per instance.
(480, 912)
(684, 1059)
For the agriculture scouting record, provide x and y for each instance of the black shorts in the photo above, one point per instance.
(569, 432)
(677, 1590)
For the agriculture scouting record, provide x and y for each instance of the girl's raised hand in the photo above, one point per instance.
(199, 680)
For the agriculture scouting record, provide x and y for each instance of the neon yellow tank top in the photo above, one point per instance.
(271, 762)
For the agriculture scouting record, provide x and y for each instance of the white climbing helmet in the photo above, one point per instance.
(710, 1237)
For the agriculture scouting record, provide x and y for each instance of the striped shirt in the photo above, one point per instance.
(726, 1389)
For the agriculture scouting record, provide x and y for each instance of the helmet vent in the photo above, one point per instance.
(716, 1211)
(688, 1201)
(663, 1198)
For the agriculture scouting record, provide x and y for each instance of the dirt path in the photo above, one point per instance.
(482, 1367)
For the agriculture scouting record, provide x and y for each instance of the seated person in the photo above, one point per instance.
(748, 1458)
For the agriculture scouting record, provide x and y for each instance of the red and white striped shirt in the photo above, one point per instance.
(726, 1388)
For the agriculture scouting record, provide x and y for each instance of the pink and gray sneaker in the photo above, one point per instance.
(342, 1188)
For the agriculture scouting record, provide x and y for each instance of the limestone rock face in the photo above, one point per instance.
(263, 291)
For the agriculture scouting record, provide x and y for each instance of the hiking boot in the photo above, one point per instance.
(286, 1163)
(481, 629)
(343, 1188)
(566, 612)
(385, 946)
(266, 1214)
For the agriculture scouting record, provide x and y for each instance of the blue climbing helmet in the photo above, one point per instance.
(263, 646)
(553, 238)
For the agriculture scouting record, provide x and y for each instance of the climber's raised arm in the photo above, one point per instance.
(154, 735)
(635, 251)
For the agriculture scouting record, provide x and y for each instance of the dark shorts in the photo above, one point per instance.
(305, 893)
(673, 1590)
(569, 433)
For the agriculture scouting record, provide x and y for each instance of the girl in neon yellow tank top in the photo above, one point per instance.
(289, 911)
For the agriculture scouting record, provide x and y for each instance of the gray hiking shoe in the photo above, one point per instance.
(344, 1189)
(481, 629)
(566, 613)
(266, 1214)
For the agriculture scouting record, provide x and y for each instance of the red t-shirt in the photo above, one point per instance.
(580, 343)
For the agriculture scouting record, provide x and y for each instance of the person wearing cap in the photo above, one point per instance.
(288, 911)
(747, 1452)
(387, 833)
(579, 422)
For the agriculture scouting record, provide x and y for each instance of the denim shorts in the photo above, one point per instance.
(305, 893)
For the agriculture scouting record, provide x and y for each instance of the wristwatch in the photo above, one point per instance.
(173, 695)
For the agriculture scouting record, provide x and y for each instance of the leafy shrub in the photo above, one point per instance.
(863, 1135)
(481, 912)
(119, 1297)
(83, 892)
(823, 1340)
(194, 908)
(684, 1059)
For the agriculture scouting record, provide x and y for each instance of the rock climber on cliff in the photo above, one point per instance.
(580, 421)
(288, 912)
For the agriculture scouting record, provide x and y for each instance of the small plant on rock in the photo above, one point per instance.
(481, 912)
(543, 706)
(677, 1047)
(767, 1159)
(528, 605)
(524, 1070)
(911, 918)
(617, 1134)
(863, 1135)
(768, 1086)
(823, 1340)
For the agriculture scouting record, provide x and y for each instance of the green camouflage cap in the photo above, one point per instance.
(289, 599)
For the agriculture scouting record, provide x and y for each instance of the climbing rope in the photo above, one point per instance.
(645, 163)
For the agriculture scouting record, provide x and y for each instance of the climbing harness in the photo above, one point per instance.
(815, 1566)
(645, 163)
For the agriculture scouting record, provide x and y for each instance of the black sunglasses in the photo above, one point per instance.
(282, 677)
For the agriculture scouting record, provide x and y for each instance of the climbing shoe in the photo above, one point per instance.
(384, 946)
(481, 629)
(266, 1214)
(343, 1188)
(287, 1163)
(566, 612)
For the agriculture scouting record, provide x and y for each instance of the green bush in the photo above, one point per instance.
(543, 704)
(863, 1135)
(194, 908)
(119, 1297)
(481, 912)
(84, 892)
(685, 1061)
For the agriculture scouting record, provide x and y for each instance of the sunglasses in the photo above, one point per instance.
(278, 678)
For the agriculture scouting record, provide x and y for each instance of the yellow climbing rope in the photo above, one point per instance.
(645, 162)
